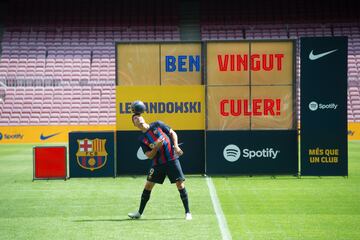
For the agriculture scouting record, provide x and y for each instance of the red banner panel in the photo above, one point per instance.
(49, 162)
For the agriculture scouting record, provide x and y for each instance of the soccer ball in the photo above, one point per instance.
(138, 107)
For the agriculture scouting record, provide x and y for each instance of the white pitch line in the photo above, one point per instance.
(225, 233)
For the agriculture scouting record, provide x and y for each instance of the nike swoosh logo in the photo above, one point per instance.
(313, 56)
(141, 155)
(42, 137)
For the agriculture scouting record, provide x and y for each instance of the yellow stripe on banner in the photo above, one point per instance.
(44, 134)
(180, 107)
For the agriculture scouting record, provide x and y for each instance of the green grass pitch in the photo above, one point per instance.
(255, 207)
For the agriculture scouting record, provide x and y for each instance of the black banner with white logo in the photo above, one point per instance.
(131, 160)
(252, 152)
(324, 106)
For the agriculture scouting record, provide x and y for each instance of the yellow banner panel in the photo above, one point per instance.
(181, 64)
(180, 107)
(44, 134)
(354, 130)
(228, 63)
(272, 63)
(228, 108)
(138, 64)
(272, 107)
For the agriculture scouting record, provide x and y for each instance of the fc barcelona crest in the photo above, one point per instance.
(91, 153)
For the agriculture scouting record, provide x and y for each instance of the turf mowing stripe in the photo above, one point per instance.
(225, 233)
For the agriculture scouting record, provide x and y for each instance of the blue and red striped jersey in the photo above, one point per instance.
(147, 141)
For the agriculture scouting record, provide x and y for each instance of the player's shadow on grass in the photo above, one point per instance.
(127, 219)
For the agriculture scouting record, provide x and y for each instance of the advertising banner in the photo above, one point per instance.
(228, 108)
(252, 152)
(180, 64)
(324, 131)
(250, 85)
(272, 107)
(131, 159)
(272, 63)
(92, 154)
(250, 63)
(232, 108)
(148, 64)
(137, 64)
(167, 77)
(227, 63)
(181, 107)
(44, 134)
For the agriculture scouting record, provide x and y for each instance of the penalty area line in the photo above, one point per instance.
(225, 233)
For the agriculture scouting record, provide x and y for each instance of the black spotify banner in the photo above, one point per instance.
(252, 152)
(131, 160)
(324, 106)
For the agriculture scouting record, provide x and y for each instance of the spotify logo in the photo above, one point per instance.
(232, 153)
(313, 106)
